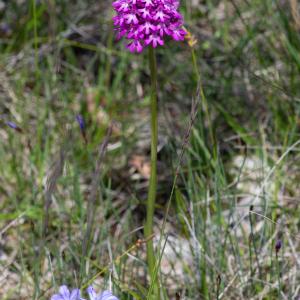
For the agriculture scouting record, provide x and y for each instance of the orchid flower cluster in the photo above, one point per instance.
(66, 294)
(147, 22)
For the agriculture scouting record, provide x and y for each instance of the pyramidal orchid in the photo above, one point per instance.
(148, 22)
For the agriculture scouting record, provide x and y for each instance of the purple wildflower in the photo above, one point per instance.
(147, 22)
(106, 295)
(80, 121)
(278, 245)
(65, 294)
(5, 28)
(13, 126)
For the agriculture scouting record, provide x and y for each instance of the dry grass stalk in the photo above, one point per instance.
(295, 13)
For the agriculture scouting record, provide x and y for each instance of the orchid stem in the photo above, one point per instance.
(148, 230)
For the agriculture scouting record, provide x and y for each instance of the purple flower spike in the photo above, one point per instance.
(106, 295)
(65, 294)
(148, 22)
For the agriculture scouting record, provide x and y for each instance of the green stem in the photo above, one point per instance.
(109, 55)
(197, 71)
(148, 230)
(278, 274)
(35, 32)
(204, 100)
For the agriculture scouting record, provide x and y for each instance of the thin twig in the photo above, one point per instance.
(94, 193)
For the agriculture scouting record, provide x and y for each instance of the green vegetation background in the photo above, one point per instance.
(237, 192)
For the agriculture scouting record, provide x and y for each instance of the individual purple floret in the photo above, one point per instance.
(148, 22)
(106, 295)
(65, 294)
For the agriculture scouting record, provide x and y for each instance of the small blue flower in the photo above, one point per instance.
(106, 295)
(65, 294)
